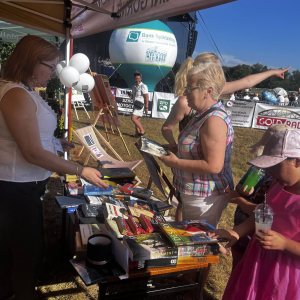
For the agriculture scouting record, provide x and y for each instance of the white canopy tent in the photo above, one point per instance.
(74, 19)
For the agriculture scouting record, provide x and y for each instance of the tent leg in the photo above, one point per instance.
(66, 104)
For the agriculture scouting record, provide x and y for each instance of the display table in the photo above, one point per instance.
(136, 277)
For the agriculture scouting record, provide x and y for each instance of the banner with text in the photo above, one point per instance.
(266, 115)
(240, 112)
(125, 103)
(162, 104)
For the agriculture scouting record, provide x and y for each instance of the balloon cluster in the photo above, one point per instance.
(74, 74)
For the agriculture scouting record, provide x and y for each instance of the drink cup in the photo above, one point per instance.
(263, 218)
(254, 177)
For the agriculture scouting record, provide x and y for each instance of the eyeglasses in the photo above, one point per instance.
(52, 69)
(189, 89)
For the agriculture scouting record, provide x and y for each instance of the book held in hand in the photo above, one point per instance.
(183, 233)
(152, 147)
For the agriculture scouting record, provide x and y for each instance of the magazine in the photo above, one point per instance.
(152, 147)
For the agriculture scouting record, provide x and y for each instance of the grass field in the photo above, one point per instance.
(58, 280)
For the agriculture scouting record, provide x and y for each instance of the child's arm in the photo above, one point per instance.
(244, 229)
(276, 241)
(235, 197)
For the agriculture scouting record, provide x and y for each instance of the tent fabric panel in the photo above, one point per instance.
(27, 19)
(139, 11)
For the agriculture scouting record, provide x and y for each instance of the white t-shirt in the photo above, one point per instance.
(13, 166)
(281, 99)
(246, 97)
(232, 97)
(255, 98)
(138, 90)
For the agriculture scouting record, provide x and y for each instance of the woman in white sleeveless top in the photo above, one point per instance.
(27, 159)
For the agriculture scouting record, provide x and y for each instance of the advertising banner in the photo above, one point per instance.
(162, 104)
(125, 103)
(266, 115)
(240, 112)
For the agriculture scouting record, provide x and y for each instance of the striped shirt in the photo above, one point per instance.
(189, 147)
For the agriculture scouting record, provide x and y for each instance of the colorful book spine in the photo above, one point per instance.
(207, 259)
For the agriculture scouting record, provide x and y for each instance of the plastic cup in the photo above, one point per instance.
(263, 218)
(254, 177)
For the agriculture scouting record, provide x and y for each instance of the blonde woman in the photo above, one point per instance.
(181, 113)
(202, 166)
(27, 160)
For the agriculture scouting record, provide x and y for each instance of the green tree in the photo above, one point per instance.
(6, 50)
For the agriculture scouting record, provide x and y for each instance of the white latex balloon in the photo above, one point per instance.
(85, 84)
(80, 61)
(62, 64)
(69, 76)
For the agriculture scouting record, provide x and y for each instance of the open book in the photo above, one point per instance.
(152, 147)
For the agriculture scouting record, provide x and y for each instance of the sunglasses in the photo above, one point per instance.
(189, 89)
(52, 69)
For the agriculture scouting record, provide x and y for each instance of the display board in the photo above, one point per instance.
(125, 103)
(266, 115)
(240, 112)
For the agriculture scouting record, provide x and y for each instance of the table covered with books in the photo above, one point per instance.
(145, 244)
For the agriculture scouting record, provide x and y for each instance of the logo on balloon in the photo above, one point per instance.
(133, 36)
(156, 54)
(163, 105)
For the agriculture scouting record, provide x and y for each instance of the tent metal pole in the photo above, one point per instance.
(66, 104)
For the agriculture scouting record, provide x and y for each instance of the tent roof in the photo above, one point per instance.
(93, 16)
(11, 33)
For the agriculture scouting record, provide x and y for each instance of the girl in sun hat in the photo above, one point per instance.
(263, 274)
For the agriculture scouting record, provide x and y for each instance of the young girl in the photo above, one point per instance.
(270, 268)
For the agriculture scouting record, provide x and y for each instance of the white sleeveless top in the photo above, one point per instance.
(13, 166)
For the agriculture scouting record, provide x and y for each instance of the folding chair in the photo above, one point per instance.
(158, 177)
(79, 104)
(90, 142)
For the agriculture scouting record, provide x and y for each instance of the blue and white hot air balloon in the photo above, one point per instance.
(150, 48)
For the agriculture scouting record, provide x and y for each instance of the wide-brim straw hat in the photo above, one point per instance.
(258, 148)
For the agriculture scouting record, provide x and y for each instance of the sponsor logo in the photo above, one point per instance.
(156, 54)
(229, 104)
(163, 105)
(278, 116)
(133, 36)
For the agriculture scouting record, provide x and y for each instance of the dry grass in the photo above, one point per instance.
(58, 280)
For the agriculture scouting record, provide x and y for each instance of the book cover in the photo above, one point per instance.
(136, 212)
(142, 192)
(94, 200)
(152, 147)
(112, 226)
(207, 259)
(141, 204)
(75, 188)
(91, 190)
(198, 250)
(160, 263)
(149, 246)
(117, 202)
(113, 173)
(90, 210)
(112, 211)
(185, 233)
(86, 230)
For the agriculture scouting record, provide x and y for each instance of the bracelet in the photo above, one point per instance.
(146, 107)
(76, 173)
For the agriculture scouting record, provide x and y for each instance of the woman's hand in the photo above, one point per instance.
(272, 241)
(170, 160)
(67, 146)
(93, 176)
(231, 195)
(242, 190)
(280, 73)
(228, 234)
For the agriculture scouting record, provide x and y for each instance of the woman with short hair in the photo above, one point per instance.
(27, 160)
(140, 103)
(202, 166)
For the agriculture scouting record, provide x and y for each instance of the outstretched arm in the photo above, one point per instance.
(251, 80)
(178, 111)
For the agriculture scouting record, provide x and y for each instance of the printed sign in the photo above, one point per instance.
(266, 115)
(240, 112)
(162, 104)
(96, 151)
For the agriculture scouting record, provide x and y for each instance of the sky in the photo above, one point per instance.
(253, 31)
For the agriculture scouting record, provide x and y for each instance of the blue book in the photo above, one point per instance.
(91, 190)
